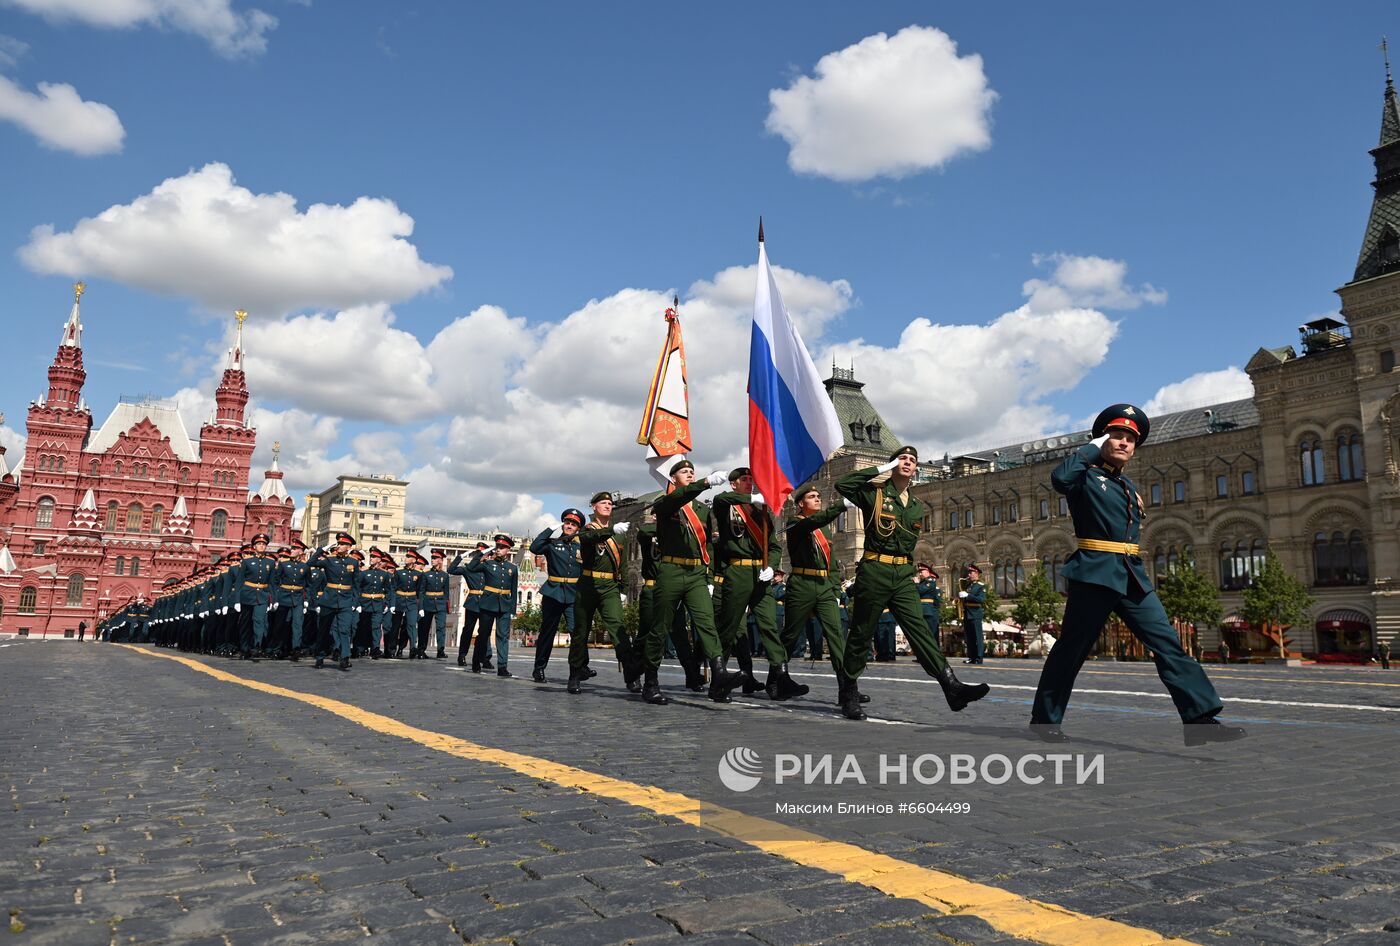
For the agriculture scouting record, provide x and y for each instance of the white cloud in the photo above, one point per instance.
(13, 442)
(202, 236)
(886, 106)
(963, 387)
(1199, 390)
(231, 33)
(435, 498)
(1090, 281)
(61, 119)
(12, 50)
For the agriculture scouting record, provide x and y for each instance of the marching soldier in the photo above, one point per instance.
(374, 601)
(405, 602)
(338, 600)
(289, 599)
(974, 596)
(359, 640)
(311, 634)
(930, 598)
(563, 565)
(500, 592)
(471, 612)
(673, 628)
(682, 538)
(600, 593)
(892, 519)
(1106, 575)
(812, 588)
(433, 595)
(744, 571)
(252, 577)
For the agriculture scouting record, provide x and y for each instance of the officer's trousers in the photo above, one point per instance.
(811, 597)
(470, 618)
(1086, 611)
(425, 626)
(601, 597)
(252, 626)
(675, 631)
(342, 628)
(380, 625)
(500, 623)
(687, 585)
(880, 585)
(739, 593)
(552, 611)
(972, 633)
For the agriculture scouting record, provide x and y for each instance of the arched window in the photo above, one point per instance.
(1358, 571)
(160, 471)
(28, 600)
(76, 584)
(43, 513)
(121, 565)
(157, 517)
(1310, 463)
(117, 468)
(1007, 576)
(218, 524)
(184, 474)
(62, 462)
(1159, 564)
(1013, 511)
(1350, 464)
(111, 524)
(94, 468)
(133, 517)
(1340, 559)
(135, 565)
(1247, 482)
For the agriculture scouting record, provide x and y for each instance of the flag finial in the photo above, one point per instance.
(760, 228)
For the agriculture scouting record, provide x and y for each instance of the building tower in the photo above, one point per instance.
(226, 446)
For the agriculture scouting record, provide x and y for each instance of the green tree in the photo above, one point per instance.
(1188, 595)
(1037, 602)
(992, 607)
(1276, 600)
(527, 621)
(631, 617)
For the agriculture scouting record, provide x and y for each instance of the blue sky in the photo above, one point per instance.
(1192, 183)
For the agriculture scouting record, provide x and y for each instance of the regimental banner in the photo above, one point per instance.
(666, 420)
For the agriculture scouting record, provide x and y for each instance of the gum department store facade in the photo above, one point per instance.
(92, 517)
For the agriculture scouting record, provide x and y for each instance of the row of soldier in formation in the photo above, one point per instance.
(716, 562)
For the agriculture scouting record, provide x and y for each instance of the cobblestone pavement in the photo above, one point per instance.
(151, 803)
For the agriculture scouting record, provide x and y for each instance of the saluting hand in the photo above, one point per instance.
(621, 527)
(717, 478)
(756, 499)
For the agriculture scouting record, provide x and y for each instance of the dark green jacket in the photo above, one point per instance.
(735, 539)
(803, 549)
(930, 598)
(473, 579)
(674, 536)
(891, 527)
(564, 562)
(1104, 506)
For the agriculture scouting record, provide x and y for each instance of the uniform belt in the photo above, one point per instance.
(473, 591)
(744, 561)
(497, 591)
(339, 587)
(291, 587)
(1100, 545)
(562, 581)
(434, 594)
(814, 572)
(887, 559)
(254, 584)
(718, 580)
(648, 583)
(372, 596)
(676, 560)
(607, 575)
(929, 600)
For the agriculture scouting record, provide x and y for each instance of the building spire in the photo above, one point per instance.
(231, 396)
(235, 354)
(1390, 110)
(1380, 247)
(66, 374)
(73, 329)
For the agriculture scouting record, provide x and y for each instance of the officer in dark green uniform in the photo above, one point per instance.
(405, 603)
(892, 519)
(600, 593)
(930, 598)
(338, 599)
(973, 597)
(563, 562)
(748, 555)
(471, 612)
(682, 541)
(375, 583)
(253, 577)
(433, 596)
(500, 594)
(813, 587)
(289, 599)
(1106, 575)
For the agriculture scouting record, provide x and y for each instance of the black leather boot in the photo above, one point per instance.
(651, 690)
(575, 681)
(632, 673)
(957, 693)
(751, 684)
(1199, 732)
(722, 681)
(791, 687)
(850, 701)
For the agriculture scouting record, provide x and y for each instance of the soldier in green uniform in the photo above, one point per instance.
(433, 595)
(563, 560)
(682, 541)
(930, 598)
(289, 599)
(673, 627)
(500, 592)
(974, 596)
(404, 604)
(748, 555)
(600, 594)
(892, 519)
(338, 598)
(375, 583)
(1106, 575)
(813, 588)
(471, 612)
(253, 577)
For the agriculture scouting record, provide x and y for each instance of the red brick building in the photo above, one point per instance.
(91, 517)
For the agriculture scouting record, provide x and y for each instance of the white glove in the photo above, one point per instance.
(316, 610)
(717, 478)
(756, 499)
(393, 610)
(420, 613)
(845, 503)
(204, 614)
(558, 531)
(886, 467)
(358, 609)
(328, 548)
(224, 610)
(766, 574)
(1099, 441)
(237, 607)
(622, 598)
(962, 594)
(272, 606)
(621, 527)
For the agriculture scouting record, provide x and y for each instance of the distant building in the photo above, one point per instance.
(368, 506)
(90, 518)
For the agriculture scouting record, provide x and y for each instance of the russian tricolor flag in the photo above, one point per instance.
(793, 427)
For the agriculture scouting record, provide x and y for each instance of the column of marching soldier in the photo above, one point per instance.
(707, 571)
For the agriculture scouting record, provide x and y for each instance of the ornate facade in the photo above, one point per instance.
(91, 518)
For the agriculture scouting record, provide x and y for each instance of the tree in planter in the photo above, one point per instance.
(1276, 600)
(527, 621)
(1037, 603)
(992, 609)
(1189, 596)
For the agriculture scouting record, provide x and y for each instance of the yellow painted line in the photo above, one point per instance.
(942, 892)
